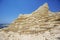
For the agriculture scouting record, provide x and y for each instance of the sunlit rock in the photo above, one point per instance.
(41, 24)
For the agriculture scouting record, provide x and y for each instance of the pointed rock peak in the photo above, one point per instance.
(42, 9)
(45, 5)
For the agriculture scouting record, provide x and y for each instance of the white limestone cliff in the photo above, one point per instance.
(41, 24)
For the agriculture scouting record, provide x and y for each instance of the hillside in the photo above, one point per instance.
(41, 24)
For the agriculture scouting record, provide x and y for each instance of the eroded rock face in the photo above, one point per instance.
(41, 24)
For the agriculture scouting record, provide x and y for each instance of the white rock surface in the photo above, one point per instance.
(40, 25)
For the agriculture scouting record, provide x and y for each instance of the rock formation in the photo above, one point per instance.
(41, 24)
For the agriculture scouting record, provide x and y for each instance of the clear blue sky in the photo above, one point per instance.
(10, 9)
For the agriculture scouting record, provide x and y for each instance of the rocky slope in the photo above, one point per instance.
(41, 24)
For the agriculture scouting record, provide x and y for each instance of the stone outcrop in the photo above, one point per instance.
(41, 24)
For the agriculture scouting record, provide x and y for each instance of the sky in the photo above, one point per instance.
(10, 9)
